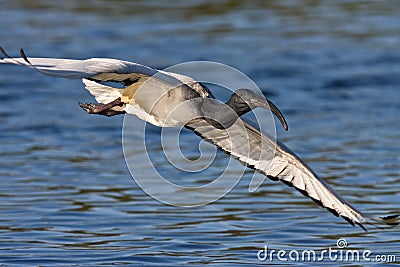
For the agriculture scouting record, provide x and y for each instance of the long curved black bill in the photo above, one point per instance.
(259, 101)
(254, 100)
(274, 109)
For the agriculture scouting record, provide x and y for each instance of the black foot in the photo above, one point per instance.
(110, 112)
(89, 107)
(105, 109)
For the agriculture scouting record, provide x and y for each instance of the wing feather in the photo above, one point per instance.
(100, 69)
(285, 166)
(102, 93)
(104, 69)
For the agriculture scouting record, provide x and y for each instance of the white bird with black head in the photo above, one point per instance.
(152, 94)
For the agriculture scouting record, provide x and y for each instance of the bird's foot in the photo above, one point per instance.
(89, 107)
(105, 109)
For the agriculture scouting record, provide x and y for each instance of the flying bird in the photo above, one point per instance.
(212, 120)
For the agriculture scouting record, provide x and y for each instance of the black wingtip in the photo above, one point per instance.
(23, 55)
(384, 222)
(286, 127)
(353, 223)
(391, 219)
(362, 226)
(4, 52)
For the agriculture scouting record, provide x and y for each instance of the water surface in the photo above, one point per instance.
(66, 195)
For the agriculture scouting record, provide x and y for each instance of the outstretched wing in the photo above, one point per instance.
(247, 144)
(99, 70)
(102, 69)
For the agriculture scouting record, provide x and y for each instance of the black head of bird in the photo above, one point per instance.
(245, 100)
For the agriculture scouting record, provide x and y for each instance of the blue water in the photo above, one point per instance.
(66, 195)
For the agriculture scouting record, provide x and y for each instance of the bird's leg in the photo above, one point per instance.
(111, 112)
(99, 108)
(103, 109)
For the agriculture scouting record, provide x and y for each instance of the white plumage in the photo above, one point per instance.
(152, 105)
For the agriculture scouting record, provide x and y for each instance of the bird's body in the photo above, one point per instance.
(148, 104)
(168, 99)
